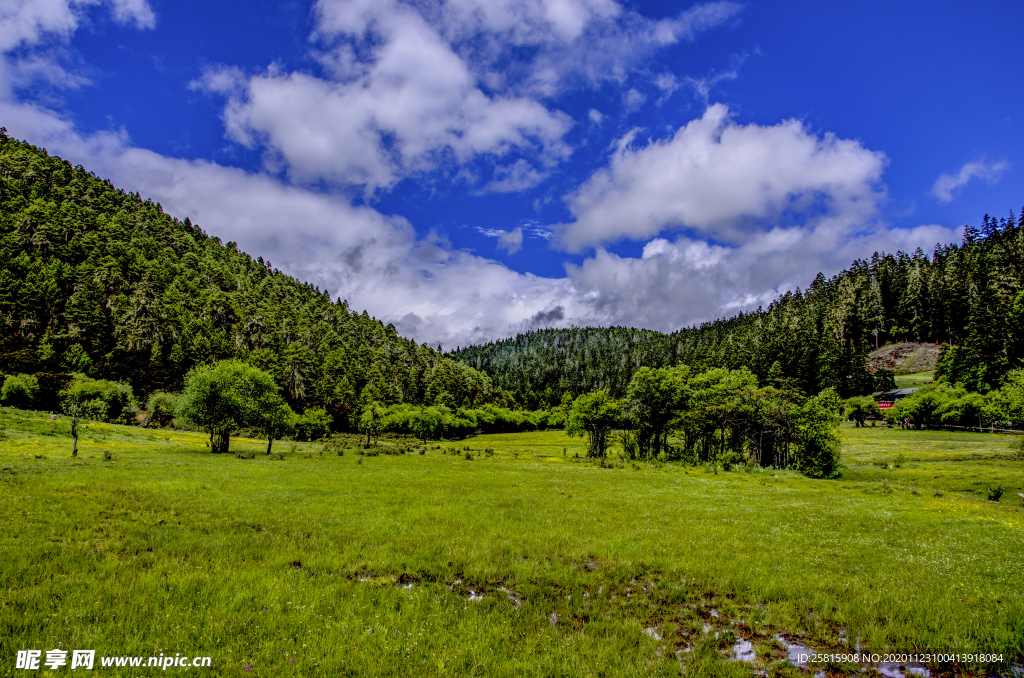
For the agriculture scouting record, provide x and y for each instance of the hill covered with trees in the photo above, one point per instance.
(100, 282)
(969, 297)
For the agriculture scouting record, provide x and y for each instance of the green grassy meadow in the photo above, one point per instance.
(525, 561)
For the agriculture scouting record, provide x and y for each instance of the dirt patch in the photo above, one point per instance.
(905, 358)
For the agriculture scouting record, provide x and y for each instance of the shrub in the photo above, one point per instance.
(995, 493)
(161, 407)
(20, 390)
(313, 424)
(817, 452)
(101, 400)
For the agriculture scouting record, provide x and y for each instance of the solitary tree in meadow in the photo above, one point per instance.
(74, 405)
(594, 415)
(279, 419)
(224, 397)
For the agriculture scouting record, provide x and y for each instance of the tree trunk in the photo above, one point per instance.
(221, 442)
(270, 443)
(74, 437)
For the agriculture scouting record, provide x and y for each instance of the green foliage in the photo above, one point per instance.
(161, 407)
(594, 415)
(313, 424)
(20, 390)
(860, 408)
(818, 444)
(100, 399)
(652, 401)
(224, 397)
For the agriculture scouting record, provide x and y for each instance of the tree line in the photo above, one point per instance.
(712, 416)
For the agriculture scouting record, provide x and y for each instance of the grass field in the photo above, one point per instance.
(524, 561)
(916, 380)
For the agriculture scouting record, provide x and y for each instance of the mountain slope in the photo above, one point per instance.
(96, 280)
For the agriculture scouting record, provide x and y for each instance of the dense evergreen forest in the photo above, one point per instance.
(100, 282)
(968, 297)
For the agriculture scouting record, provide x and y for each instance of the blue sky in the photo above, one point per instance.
(468, 169)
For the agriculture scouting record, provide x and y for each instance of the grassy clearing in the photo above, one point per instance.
(525, 562)
(916, 380)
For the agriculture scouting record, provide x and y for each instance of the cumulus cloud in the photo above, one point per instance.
(410, 87)
(519, 176)
(34, 32)
(510, 241)
(948, 185)
(702, 281)
(722, 179)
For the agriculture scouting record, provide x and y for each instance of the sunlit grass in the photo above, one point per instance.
(524, 562)
(916, 379)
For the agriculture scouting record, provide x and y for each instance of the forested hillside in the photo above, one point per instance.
(98, 281)
(968, 296)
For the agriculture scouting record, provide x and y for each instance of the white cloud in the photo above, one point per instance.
(415, 104)
(948, 185)
(684, 281)
(33, 34)
(516, 177)
(510, 241)
(595, 116)
(722, 179)
(30, 22)
(410, 87)
(702, 86)
(633, 100)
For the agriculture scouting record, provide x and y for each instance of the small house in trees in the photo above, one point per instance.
(887, 399)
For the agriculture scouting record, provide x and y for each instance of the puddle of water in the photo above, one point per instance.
(511, 596)
(652, 631)
(744, 651)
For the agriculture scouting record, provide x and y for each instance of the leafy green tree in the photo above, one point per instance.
(921, 407)
(427, 423)
(652, 401)
(20, 390)
(818, 447)
(73, 404)
(594, 415)
(161, 407)
(280, 420)
(226, 396)
(860, 408)
(313, 424)
(371, 420)
(102, 399)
